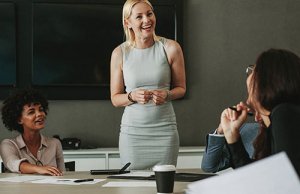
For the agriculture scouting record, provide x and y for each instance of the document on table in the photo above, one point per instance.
(22, 178)
(274, 174)
(47, 180)
(131, 184)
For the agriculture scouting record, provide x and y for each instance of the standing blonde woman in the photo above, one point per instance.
(147, 73)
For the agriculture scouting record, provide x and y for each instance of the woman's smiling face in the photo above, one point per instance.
(142, 21)
(33, 117)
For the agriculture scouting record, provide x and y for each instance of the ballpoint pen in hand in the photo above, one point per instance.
(234, 108)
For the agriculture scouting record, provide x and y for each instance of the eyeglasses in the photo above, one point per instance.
(249, 70)
(39, 163)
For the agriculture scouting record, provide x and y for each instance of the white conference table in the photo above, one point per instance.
(33, 188)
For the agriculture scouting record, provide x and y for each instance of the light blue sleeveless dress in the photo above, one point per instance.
(148, 133)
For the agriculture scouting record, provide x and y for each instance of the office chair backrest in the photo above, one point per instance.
(3, 169)
(70, 166)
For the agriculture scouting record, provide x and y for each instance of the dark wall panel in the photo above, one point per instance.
(7, 44)
(63, 47)
(220, 39)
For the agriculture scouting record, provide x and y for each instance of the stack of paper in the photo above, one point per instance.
(47, 180)
(273, 175)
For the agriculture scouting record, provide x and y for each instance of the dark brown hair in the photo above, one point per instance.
(275, 80)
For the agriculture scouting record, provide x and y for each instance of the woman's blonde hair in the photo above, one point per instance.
(127, 9)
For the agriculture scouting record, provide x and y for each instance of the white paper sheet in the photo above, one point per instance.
(46, 180)
(23, 178)
(131, 184)
(273, 175)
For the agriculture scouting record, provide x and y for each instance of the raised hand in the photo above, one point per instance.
(232, 120)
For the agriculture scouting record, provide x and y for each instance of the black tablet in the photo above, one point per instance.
(110, 171)
(180, 177)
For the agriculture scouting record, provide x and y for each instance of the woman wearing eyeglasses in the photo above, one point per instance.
(30, 152)
(274, 94)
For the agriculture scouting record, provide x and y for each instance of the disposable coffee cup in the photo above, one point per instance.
(164, 176)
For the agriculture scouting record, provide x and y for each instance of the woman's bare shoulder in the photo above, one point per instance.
(117, 51)
(172, 47)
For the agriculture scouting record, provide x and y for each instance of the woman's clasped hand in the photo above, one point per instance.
(143, 96)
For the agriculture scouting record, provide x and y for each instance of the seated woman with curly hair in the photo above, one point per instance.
(30, 152)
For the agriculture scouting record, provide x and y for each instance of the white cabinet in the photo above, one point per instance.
(114, 161)
(87, 159)
(82, 164)
(109, 158)
(190, 157)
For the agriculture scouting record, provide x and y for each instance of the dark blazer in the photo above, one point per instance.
(284, 133)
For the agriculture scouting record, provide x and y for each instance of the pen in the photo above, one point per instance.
(83, 180)
(124, 167)
(234, 108)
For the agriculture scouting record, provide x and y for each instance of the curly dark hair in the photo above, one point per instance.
(13, 107)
